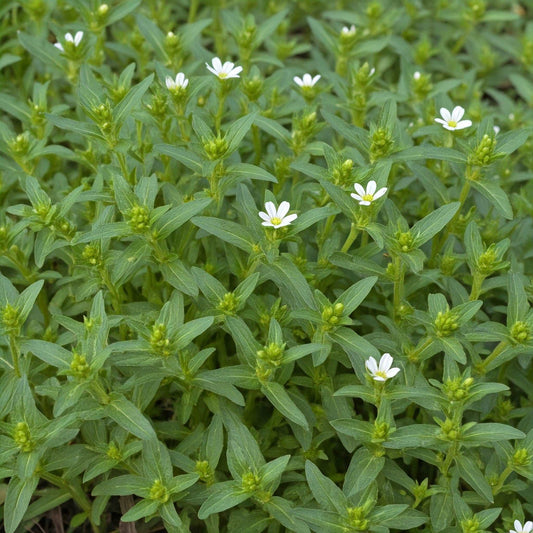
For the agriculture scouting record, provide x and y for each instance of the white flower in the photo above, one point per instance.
(76, 40)
(181, 82)
(349, 31)
(452, 121)
(306, 80)
(416, 75)
(519, 528)
(368, 196)
(383, 372)
(372, 71)
(223, 71)
(496, 129)
(277, 218)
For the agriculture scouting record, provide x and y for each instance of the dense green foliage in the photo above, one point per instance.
(168, 359)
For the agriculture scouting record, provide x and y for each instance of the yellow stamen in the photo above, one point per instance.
(222, 75)
(452, 123)
(276, 221)
(368, 197)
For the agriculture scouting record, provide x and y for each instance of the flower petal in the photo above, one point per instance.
(441, 121)
(463, 124)
(78, 37)
(211, 69)
(270, 209)
(385, 362)
(235, 72)
(298, 81)
(371, 187)
(169, 82)
(289, 218)
(69, 38)
(316, 78)
(517, 524)
(528, 526)
(364, 202)
(380, 193)
(59, 46)
(217, 64)
(356, 196)
(371, 364)
(264, 216)
(268, 224)
(308, 80)
(283, 209)
(359, 189)
(392, 372)
(445, 114)
(457, 113)
(379, 378)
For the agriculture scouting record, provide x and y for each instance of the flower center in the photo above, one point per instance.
(276, 221)
(222, 75)
(381, 374)
(452, 123)
(368, 197)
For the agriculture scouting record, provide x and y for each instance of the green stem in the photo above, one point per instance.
(15, 354)
(258, 147)
(414, 355)
(76, 492)
(220, 111)
(327, 230)
(398, 283)
(193, 8)
(351, 237)
(497, 351)
(477, 282)
(501, 480)
(122, 163)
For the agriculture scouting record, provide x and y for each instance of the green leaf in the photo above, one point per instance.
(415, 153)
(18, 496)
(238, 130)
(325, 492)
(131, 102)
(496, 196)
(179, 276)
(128, 416)
(470, 472)
(177, 216)
(48, 352)
(321, 521)
(413, 436)
(124, 485)
(27, 298)
(486, 434)
(140, 510)
(363, 469)
(222, 496)
(351, 298)
(253, 172)
(441, 510)
(85, 129)
(153, 35)
(279, 398)
(188, 158)
(231, 232)
(359, 429)
(430, 225)
(42, 50)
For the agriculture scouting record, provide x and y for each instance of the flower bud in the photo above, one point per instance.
(229, 304)
(139, 218)
(520, 332)
(22, 437)
(216, 148)
(445, 323)
(250, 482)
(113, 452)
(159, 492)
(79, 367)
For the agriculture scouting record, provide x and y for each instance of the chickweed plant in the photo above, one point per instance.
(266, 266)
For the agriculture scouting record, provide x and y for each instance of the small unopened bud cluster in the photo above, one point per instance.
(488, 261)
(331, 315)
(421, 84)
(11, 319)
(159, 492)
(252, 88)
(229, 304)
(381, 431)
(250, 482)
(113, 452)
(380, 144)
(216, 148)
(405, 241)
(476, 10)
(342, 174)
(450, 430)
(103, 116)
(139, 218)
(357, 518)
(272, 353)
(520, 332)
(483, 153)
(204, 470)
(79, 367)
(445, 323)
(304, 128)
(457, 389)
(19, 146)
(172, 43)
(420, 490)
(91, 254)
(447, 265)
(159, 343)
(470, 525)
(22, 437)
(521, 457)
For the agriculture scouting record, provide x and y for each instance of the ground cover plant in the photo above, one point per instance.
(266, 266)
